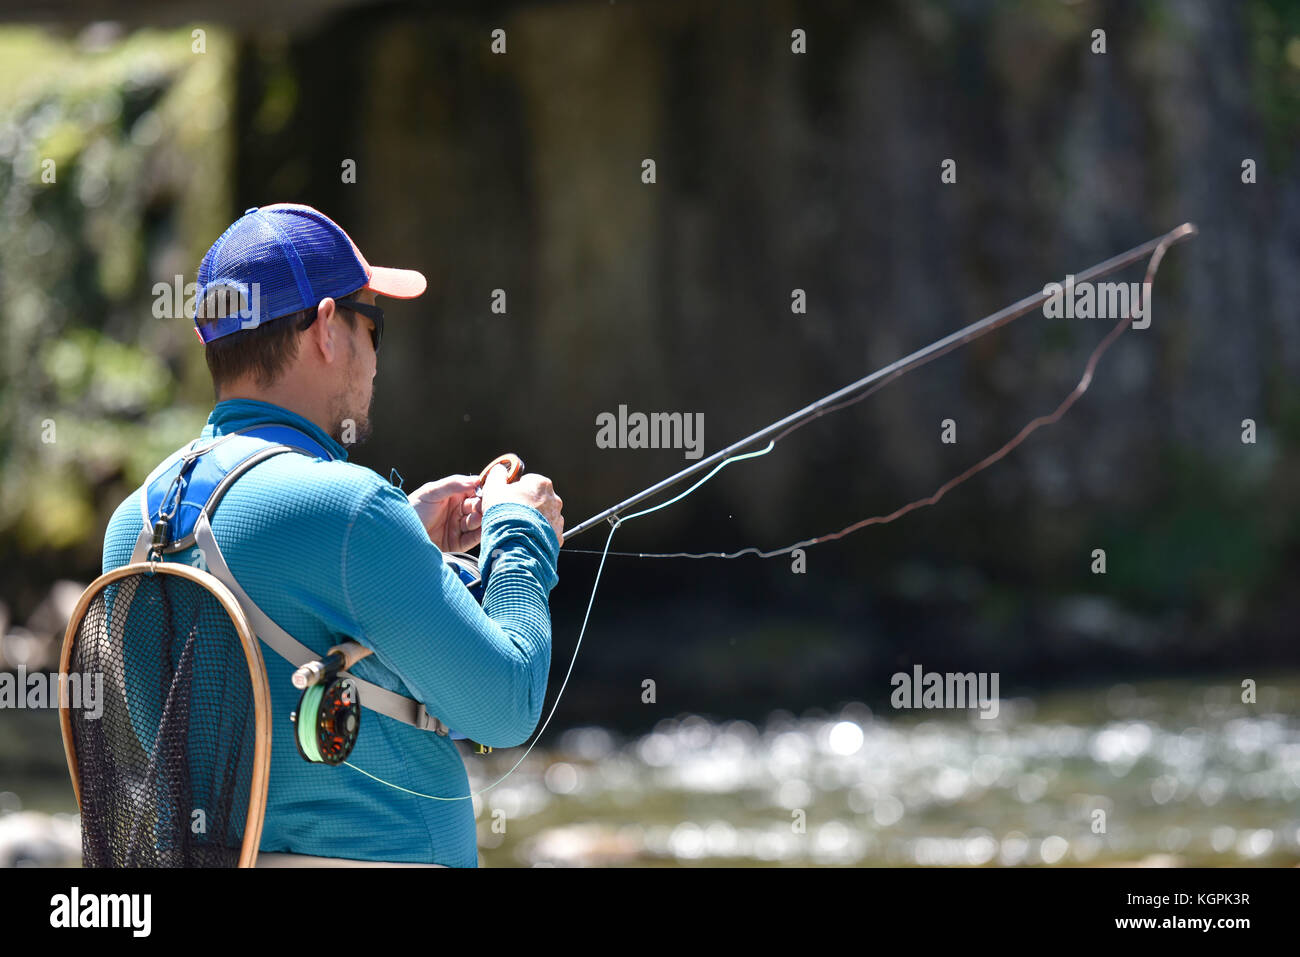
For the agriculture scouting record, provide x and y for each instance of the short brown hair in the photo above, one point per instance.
(264, 352)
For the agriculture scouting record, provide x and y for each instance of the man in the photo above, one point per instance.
(330, 551)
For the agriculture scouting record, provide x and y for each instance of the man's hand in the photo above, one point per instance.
(531, 489)
(450, 512)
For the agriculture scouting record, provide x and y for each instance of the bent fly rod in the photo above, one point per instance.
(859, 390)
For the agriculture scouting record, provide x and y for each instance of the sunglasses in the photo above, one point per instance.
(373, 313)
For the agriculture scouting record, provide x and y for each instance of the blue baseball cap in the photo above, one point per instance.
(277, 260)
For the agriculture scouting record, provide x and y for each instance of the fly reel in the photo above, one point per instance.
(329, 711)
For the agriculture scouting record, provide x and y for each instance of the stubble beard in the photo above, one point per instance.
(352, 424)
(355, 426)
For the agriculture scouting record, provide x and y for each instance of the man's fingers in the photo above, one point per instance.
(445, 488)
(459, 484)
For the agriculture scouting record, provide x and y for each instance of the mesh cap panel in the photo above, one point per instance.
(272, 262)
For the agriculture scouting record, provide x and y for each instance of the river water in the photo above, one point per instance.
(1175, 773)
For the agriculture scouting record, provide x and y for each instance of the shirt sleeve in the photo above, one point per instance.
(482, 670)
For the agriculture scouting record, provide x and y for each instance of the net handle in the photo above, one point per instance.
(256, 673)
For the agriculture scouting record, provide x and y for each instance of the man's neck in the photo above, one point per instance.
(285, 399)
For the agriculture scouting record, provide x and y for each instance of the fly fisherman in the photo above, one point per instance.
(330, 551)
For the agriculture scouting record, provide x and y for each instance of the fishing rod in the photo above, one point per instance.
(855, 391)
(850, 394)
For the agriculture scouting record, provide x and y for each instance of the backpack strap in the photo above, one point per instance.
(186, 470)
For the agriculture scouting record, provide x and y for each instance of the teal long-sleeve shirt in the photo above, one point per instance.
(331, 551)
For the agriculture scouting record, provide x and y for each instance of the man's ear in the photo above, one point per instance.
(321, 332)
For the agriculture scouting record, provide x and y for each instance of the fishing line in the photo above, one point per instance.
(1084, 382)
(614, 524)
(943, 490)
(303, 730)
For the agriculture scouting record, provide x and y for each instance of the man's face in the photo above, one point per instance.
(356, 395)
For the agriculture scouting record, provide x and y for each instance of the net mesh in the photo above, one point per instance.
(165, 770)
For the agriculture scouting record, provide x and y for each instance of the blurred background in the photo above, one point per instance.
(775, 170)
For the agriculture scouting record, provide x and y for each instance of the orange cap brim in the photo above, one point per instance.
(396, 283)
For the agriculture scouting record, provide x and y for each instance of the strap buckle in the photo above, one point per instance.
(427, 722)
